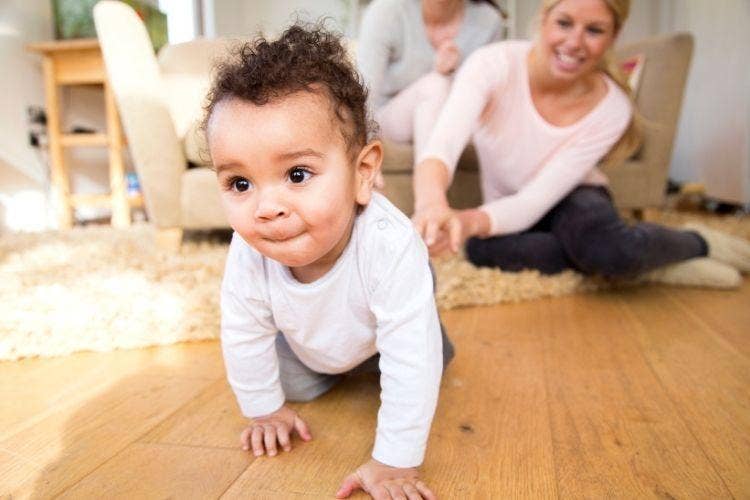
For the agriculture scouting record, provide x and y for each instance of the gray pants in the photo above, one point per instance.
(302, 384)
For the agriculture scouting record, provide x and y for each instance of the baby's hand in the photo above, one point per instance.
(264, 432)
(447, 57)
(382, 482)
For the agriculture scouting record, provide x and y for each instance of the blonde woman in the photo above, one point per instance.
(542, 114)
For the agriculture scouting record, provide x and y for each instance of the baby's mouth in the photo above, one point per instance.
(279, 237)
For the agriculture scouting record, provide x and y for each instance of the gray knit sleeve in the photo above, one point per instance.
(379, 34)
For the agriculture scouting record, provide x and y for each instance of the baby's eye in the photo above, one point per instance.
(239, 184)
(298, 175)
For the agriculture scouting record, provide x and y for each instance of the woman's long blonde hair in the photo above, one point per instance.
(632, 137)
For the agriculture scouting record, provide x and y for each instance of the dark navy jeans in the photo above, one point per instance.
(585, 232)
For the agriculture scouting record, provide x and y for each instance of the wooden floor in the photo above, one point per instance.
(634, 393)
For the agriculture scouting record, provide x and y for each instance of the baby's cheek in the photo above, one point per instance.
(242, 226)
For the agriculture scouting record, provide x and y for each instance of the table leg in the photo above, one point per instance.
(118, 188)
(58, 170)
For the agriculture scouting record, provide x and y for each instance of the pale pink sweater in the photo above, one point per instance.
(527, 164)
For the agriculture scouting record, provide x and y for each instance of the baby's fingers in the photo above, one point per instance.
(411, 491)
(269, 438)
(301, 427)
(245, 438)
(379, 492)
(256, 440)
(395, 491)
(426, 493)
(283, 435)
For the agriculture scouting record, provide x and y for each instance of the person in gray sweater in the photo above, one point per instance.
(407, 52)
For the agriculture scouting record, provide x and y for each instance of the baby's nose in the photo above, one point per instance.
(270, 207)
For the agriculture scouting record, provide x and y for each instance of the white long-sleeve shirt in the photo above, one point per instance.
(378, 297)
(527, 164)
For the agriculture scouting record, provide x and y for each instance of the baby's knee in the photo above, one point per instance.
(303, 391)
(294, 395)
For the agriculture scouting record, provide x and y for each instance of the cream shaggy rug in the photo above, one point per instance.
(100, 289)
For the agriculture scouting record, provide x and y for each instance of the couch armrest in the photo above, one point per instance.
(659, 100)
(135, 79)
(157, 155)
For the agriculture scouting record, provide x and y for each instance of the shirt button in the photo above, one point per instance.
(382, 224)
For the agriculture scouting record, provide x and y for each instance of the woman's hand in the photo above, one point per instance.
(383, 482)
(439, 227)
(264, 433)
(454, 227)
(447, 57)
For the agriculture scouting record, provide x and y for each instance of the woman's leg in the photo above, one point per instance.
(411, 114)
(533, 249)
(536, 248)
(597, 241)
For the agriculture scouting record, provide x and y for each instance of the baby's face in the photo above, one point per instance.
(286, 181)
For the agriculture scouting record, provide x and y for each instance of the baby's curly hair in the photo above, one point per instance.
(305, 57)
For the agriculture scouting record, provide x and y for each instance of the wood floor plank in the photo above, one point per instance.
(707, 379)
(724, 313)
(615, 432)
(162, 471)
(492, 416)
(212, 419)
(65, 446)
(67, 381)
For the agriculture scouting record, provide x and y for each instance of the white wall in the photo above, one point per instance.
(713, 142)
(182, 19)
(243, 18)
(22, 169)
(21, 22)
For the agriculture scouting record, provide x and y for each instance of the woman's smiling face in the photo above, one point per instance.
(574, 36)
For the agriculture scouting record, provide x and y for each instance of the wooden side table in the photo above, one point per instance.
(79, 62)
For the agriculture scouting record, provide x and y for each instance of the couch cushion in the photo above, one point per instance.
(199, 200)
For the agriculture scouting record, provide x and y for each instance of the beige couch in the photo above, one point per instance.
(160, 100)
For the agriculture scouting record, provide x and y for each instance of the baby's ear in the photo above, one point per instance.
(367, 170)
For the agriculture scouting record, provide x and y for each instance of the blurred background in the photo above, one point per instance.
(712, 146)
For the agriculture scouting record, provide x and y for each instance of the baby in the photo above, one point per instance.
(323, 275)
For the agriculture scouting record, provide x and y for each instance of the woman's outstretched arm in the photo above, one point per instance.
(484, 72)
